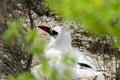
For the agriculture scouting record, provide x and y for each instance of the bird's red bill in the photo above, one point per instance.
(45, 28)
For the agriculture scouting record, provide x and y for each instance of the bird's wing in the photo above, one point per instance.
(83, 59)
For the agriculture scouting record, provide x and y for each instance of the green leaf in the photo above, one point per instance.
(31, 34)
(68, 60)
(23, 76)
(14, 28)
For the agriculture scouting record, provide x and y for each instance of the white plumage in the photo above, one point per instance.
(58, 47)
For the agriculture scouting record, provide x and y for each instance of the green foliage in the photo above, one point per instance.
(14, 29)
(45, 68)
(23, 76)
(68, 59)
(28, 40)
(67, 74)
(97, 16)
(30, 36)
(52, 73)
(37, 44)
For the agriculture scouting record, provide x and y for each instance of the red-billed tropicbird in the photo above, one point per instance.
(59, 45)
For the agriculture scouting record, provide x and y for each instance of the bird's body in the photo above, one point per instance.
(60, 46)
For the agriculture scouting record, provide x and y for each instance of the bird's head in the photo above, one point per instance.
(59, 35)
(53, 32)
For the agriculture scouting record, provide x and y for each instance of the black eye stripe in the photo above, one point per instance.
(54, 33)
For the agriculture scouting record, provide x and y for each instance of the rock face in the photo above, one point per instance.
(100, 49)
(13, 59)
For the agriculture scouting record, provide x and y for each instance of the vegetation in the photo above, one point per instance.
(97, 16)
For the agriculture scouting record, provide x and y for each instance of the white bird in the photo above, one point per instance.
(57, 48)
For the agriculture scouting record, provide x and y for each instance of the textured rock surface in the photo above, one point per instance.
(13, 60)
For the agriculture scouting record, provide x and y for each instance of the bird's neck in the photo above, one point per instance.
(63, 45)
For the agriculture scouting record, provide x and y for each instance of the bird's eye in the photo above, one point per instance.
(54, 33)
